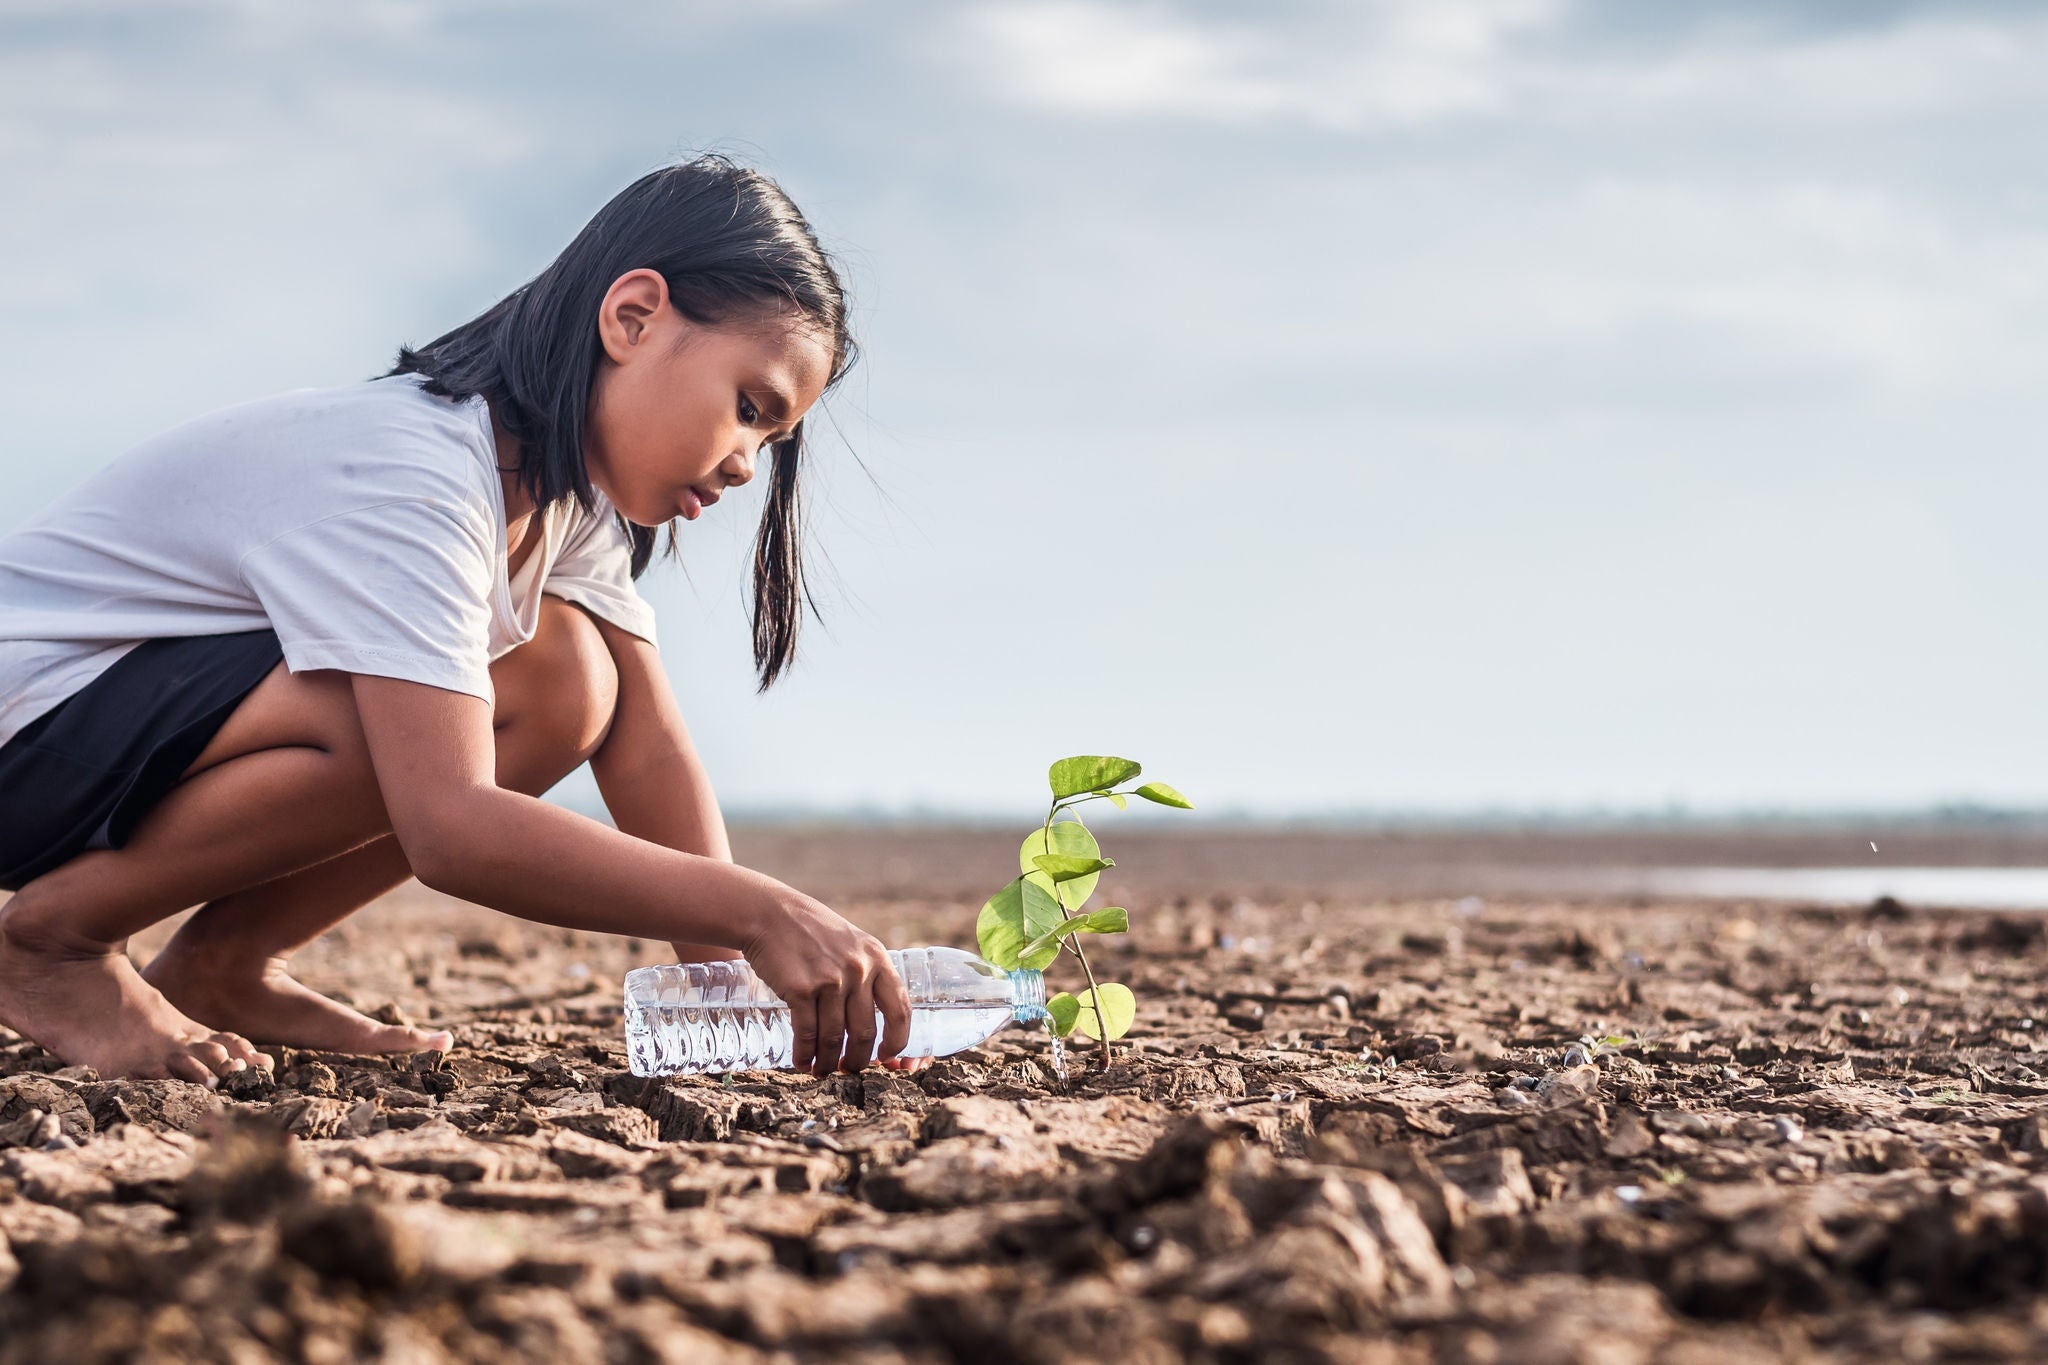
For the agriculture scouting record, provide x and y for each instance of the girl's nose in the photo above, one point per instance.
(738, 467)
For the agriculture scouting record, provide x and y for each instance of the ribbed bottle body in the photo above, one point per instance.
(699, 1017)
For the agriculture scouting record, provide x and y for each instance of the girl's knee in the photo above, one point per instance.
(562, 685)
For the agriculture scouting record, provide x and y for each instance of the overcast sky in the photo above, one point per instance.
(1420, 404)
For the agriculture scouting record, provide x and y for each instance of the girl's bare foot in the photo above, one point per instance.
(86, 1003)
(263, 1001)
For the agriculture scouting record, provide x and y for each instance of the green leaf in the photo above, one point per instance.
(1114, 920)
(1117, 799)
(1070, 838)
(1064, 867)
(1119, 1011)
(1164, 795)
(1089, 773)
(999, 929)
(1012, 918)
(1064, 1009)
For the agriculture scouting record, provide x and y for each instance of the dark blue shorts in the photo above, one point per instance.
(83, 775)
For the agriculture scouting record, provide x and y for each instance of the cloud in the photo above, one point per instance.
(1376, 66)
(1361, 67)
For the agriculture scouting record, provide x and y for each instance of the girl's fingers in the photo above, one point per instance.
(894, 1002)
(803, 1032)
(860, 1025)
(831, 1007)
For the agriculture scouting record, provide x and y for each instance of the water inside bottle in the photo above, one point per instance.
(747, 1037)
(719, 1017)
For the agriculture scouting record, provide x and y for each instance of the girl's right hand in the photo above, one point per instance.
(834, 978)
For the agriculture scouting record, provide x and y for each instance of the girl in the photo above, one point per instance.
(282, 658)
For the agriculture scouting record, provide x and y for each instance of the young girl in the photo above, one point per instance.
(278, 660)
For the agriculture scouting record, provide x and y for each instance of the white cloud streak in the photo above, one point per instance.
(1380, 66)
(1389, 63)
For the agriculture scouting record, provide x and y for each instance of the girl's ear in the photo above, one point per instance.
(636, 303)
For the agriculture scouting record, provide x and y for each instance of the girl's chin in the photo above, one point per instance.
(651, 517)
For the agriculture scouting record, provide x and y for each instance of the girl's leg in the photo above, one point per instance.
(226, 964)
(287, 784)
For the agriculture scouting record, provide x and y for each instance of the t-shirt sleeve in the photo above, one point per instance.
(398, 590)
(595, 571)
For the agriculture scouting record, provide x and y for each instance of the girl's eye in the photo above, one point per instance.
(749, 414)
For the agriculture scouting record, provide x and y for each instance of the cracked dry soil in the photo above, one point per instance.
(1341, 1132)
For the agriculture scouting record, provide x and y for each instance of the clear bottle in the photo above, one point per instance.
(695, 1017)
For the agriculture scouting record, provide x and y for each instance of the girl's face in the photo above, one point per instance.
(679, 411)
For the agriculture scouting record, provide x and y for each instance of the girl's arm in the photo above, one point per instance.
(648, 771)
(465, 835)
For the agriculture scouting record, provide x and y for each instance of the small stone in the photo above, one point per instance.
(1511, 1098)
(1629, 1194)
(1789, 1129)
(1576, 1055)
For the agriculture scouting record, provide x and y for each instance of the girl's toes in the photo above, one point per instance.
(186, 1067)
(426, 1040)
(241, 1051)
(404, 1038)
(215, 1058)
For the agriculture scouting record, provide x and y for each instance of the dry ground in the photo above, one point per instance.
(1345, 1129)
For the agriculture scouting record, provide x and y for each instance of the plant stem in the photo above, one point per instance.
(1094, 991)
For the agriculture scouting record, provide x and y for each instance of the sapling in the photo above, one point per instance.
(1041, 914)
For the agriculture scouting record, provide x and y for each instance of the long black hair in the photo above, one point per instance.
(731, 245)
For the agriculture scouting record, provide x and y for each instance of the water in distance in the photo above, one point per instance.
(1974, 888)
(698, 1017)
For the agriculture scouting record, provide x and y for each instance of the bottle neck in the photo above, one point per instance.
(1027, 995)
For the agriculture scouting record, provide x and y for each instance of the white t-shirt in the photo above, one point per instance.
(364, 524)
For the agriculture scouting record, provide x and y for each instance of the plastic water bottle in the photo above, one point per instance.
(696, 1017)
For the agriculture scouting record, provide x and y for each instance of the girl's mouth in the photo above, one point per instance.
(695, 502)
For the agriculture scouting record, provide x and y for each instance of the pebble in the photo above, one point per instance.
(1629, 1194)
(1144, 1237)
(1789, 1129)
(1576, 1055)
(1511, 1098)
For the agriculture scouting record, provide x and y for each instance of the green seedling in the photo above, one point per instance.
(1591, 1046)
(1040, 915)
